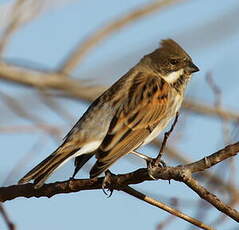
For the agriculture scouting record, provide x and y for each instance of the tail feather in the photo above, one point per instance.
(42, 171)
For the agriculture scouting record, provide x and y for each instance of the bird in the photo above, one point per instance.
(129, 114)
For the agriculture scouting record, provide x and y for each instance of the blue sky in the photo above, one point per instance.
(47, 40)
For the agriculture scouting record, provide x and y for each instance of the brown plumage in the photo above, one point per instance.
(129, 114)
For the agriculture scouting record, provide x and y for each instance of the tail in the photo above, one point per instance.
(42, 171)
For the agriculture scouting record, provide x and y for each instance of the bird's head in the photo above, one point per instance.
(171, 61)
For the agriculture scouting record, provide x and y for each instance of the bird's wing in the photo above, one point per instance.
(147, 102)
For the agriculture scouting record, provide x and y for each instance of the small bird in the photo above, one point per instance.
(131, 113)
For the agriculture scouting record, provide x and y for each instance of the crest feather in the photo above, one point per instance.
(168, 49)
(172, 47)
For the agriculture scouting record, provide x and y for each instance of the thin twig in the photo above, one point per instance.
(204, 109)
(217, 92)
(16, 107)
(218, 104)
(28, 156)
(211, 198)
(215, 89)
(202, 209)
(54, 129)
(169, 219)
(55, 106)
(166, 136)
(216, 181)
(12, 26)
(18, 18)
(165, 207)
(7, 220)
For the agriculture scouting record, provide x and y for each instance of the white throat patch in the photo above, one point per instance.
(172, 77)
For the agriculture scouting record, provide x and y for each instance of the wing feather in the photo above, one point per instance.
(145, 106)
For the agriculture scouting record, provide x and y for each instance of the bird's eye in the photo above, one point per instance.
(173, 61)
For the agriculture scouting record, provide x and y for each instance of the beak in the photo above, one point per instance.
(192, 68)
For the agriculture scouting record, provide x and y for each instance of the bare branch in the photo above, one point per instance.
(83, 48)
(21, 12)
(165, 207)
(53, 129)
(18, 18)
(211, 198)
(179, 173)
(77, 89)
(16, 107)
(166, 136)
(7, 220)
(48, 80)
(203, 109)
(215, 180)
(169, 219)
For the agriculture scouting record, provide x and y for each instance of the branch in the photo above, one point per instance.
(214, 179)
(6, 218)
(21, 13)
(178, 173)
(169, 219)
(211, 198)
(83, 48)
(166, 136)
(203, 109)
(165, 207)
(75, 88)
(12, 25)
(48, 80)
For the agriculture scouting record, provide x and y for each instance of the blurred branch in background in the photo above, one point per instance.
(6, 218)
(17, 108)
(84, 47)
(18, 18)
(29, 156)
(233, 200)
(75, 88)
(168, 220)
(16, 14)
(165, 207)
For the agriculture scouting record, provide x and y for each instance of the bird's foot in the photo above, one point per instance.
(154, 164)
(107, 184)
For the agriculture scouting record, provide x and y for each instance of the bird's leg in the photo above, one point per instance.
(142, 156)
(79, 162)
(149, 160)
(158, 162)
(108, 183)
(77, 168)
(74, 173)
